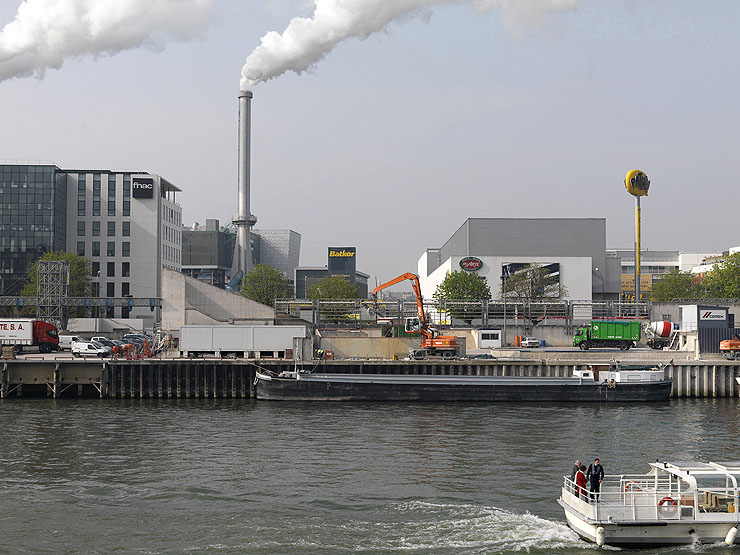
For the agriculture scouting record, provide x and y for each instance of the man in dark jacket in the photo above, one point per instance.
(575, 470)
(595, 475)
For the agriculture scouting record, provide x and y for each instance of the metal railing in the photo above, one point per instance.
(444, 314)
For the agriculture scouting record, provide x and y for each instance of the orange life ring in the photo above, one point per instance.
(668, 506)
(631, 487)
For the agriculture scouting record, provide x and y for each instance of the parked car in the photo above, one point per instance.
(135, 337)
(90, 348)
(65, 341)
(530, 342)
(105, 342)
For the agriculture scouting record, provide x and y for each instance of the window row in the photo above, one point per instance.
(110, 250)
(82, 191)
(111, 228)
(110, 269)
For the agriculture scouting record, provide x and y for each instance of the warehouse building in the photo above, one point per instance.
(572, 249)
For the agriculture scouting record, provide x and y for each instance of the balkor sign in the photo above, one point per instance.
(143, 187)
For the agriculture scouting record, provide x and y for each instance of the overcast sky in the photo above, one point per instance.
(390, 143)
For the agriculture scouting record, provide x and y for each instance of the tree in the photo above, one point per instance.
(463, 286)
(80, 277)
(676, 285)
(723, 281)
(333, 287)
(264, 284)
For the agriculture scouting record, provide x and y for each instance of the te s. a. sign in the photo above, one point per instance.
(143, 187)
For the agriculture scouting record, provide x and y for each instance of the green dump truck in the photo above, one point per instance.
(602, 333)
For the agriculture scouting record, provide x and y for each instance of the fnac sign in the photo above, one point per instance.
(637, 183)
(471, 264)
(143, 187)
(348, 252)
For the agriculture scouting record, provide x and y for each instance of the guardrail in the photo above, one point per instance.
(362, 312)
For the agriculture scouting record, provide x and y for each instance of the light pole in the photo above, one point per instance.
(504, 275)
(601, 277)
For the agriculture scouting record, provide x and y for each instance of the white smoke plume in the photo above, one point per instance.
(306, 41)
(45, 33)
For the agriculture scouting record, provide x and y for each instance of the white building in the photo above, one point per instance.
(574, 249)
(575, 273)
(128, 224)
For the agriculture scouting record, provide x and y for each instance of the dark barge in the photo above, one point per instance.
(616, 385)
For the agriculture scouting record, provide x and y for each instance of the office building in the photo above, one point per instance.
(127, 223)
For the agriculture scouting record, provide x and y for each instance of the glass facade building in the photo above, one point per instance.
(33, 219)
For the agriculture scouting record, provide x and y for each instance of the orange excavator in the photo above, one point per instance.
(432, 344)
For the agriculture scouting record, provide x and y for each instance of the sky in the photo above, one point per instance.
(390, 142)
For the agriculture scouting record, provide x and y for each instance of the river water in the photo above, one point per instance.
(238, 476)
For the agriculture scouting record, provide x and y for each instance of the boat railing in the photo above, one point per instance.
(634, 497)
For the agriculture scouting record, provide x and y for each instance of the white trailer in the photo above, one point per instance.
(241, 341)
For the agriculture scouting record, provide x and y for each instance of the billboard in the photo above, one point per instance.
(342, 261)
(637, 183)
(628, 283)
(143, 187)
(550, 278)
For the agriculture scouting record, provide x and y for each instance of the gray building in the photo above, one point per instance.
(279, 248)
(208, 252)
(340, 261)
(502, 241)
(127, 223)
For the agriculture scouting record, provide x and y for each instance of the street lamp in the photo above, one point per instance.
(601, 277)
(504, 275)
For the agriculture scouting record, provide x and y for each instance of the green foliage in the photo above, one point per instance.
(723, 281)
(80, 278)
(264, 284)
(334, 287)
(676, 285)
(532, 283)
(463, 286)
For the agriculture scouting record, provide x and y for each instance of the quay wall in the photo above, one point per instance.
(215, 378)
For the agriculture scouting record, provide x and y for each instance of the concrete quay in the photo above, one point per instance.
(179, 378)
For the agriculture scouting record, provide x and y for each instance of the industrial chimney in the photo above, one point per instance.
(245, 220)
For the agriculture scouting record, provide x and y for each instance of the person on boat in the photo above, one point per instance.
(595, 474)
(576, 467)
(581, 481)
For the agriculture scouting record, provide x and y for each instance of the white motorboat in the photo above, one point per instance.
(675, 503)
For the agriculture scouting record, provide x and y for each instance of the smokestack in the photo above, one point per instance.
(244, 220)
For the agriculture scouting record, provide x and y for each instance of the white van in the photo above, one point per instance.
(65, 341)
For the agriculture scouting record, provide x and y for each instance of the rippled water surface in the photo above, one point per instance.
(259, 477)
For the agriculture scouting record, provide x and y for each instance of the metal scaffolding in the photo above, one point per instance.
(52, 283)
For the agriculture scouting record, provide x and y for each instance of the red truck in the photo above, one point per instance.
(22, 333)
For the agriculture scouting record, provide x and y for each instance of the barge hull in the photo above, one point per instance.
(280, 389)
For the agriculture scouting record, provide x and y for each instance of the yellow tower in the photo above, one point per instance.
(637, 184)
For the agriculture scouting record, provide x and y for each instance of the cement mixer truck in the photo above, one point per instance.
(660, 334)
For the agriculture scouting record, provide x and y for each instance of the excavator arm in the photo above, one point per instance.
(432, 343)
(414, 279)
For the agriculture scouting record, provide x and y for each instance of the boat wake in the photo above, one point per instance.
(474, 528)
